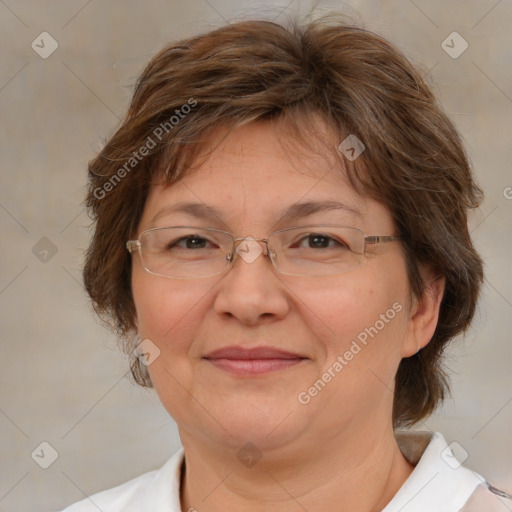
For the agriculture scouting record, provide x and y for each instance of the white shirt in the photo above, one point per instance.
(438, 483)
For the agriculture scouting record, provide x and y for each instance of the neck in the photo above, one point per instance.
(362, 475)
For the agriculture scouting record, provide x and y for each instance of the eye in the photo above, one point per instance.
(191, 242)
(323, 241)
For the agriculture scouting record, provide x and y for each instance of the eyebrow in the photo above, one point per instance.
(295, 211)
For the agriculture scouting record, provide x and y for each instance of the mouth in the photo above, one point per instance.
(256, 361)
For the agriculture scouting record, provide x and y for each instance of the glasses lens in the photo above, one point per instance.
(185, 252)
(317, 250)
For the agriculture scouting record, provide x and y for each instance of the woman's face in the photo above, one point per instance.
(351, 330)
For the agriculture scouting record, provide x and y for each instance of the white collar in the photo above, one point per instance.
(438, 482)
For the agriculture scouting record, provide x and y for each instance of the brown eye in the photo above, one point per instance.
(191, 242)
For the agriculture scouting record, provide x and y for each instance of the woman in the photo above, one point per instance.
(281, 238)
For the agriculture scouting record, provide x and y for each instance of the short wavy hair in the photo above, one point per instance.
(358, 83)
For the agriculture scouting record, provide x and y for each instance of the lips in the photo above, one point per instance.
(246, 362)
(235, 352)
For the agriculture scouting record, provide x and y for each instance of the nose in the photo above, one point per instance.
(251, 291)
(250, 248)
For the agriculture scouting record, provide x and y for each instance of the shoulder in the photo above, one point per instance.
(488, 498)
(117, 498)
(157, 488)
(439, 481)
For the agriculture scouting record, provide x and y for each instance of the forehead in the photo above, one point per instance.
(254, 176)
(263, 150)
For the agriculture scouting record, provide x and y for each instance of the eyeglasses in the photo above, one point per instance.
(183, 252)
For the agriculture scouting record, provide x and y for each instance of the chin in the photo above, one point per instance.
(263, 423)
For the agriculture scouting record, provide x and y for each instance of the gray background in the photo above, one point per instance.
(63, 380)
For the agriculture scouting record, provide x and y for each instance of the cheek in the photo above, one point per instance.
(162, 304)
(365, 318)
(355, 303)
(167, 313)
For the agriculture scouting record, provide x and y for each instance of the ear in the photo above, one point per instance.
(424, 314)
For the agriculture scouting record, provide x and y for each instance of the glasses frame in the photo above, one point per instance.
(133, 245)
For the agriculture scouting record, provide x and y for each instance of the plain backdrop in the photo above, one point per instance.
(63, 380)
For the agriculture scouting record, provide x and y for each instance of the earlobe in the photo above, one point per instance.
(423, 316)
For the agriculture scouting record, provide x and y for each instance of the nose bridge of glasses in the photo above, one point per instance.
(250, 248)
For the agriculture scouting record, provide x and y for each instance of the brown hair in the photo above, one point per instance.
(358, 83)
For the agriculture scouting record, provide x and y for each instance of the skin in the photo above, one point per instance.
(337, 452)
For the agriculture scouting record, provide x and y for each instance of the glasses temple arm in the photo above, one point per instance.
(377, 239)
(131, 245)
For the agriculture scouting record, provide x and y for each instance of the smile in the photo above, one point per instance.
(256, 361)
